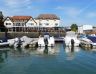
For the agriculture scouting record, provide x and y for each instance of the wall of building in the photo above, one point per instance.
(31, 23)
(26, 26)
(48, 23)
(80, 29)
(85, 28)
(8, 21)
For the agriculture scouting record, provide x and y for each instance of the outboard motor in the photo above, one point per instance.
(46, 41)
(72, 45)
(18, 43)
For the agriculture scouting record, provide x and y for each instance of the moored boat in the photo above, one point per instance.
(3, 44)
(71, 38)
(46, 40)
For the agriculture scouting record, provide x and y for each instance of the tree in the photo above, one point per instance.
(2, 27)
(74, 27)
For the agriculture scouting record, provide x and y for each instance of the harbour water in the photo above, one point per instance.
(55, 60)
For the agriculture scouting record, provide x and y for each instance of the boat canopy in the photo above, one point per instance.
(92, 38)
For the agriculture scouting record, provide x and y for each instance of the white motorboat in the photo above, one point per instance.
(71, 36)
(25, 41)
(88, 40)
(3, 43)
(16, 42)
(46, 40)
(21, 42)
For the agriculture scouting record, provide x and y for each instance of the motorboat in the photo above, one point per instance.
(88, 41)
(3, 44)
(71, 36)
(46, 40)
(25, 41)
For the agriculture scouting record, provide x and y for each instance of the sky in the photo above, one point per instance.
(79, 12)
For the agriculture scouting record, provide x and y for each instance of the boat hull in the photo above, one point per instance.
(51, 42)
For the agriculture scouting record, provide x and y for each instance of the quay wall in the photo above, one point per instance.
(29, 34)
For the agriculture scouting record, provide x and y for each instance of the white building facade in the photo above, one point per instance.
(22, 23)
(83, 28)
(19, 23)
(48, 20)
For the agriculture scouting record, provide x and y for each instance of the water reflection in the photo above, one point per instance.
(40, 50)
(3, 55)
(70, 51)
(47, 50)
(19, 52)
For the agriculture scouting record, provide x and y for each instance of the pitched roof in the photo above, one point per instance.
(20, 18)
(15, 18)
(47, 16)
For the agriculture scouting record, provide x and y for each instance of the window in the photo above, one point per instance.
(32, 23)
(8, 23)
(18, 24)
(46, 23)
(40, 24)
(56, 24)
(7, 19)
(23, 24)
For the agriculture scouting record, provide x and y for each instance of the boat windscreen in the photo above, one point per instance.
(92, 38)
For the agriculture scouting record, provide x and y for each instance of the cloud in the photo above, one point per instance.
(91, 15)
(73, 12)
(59, 8)
(18, 7)
(69, 11)
(17, 3)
